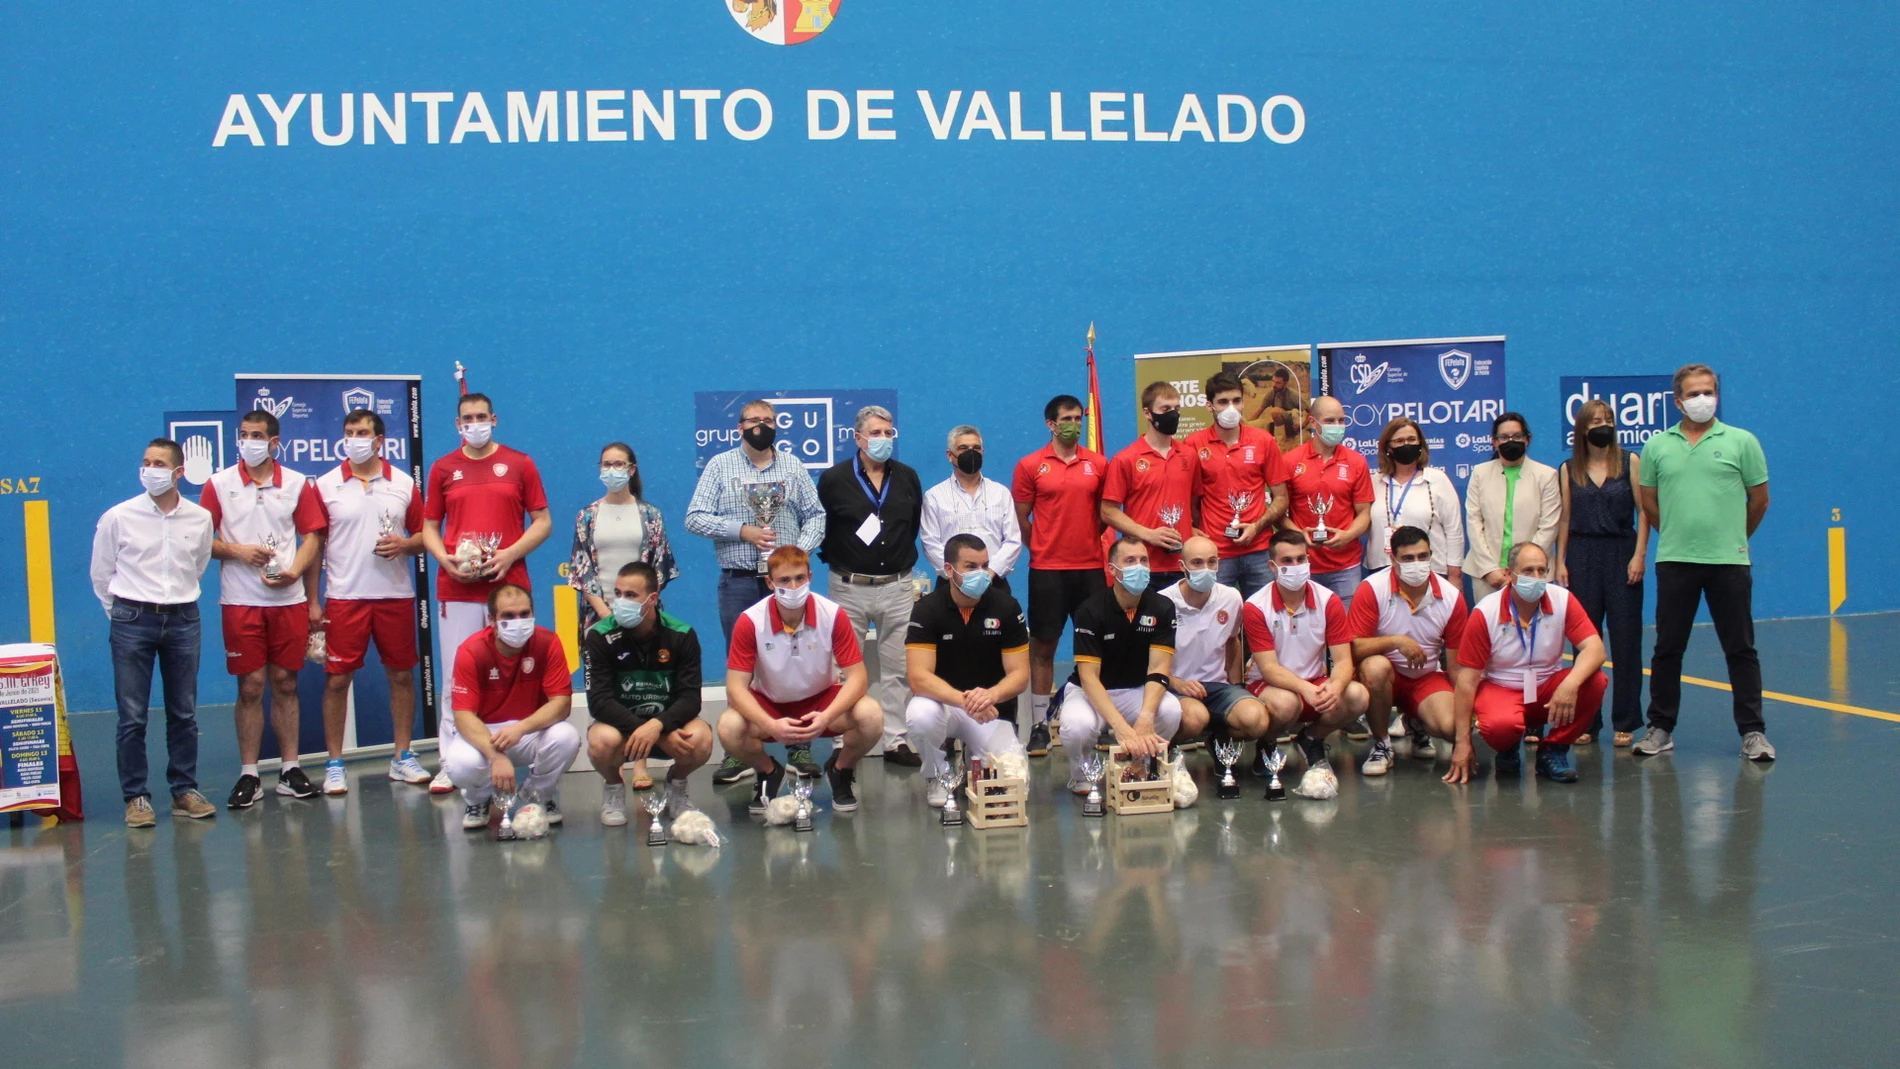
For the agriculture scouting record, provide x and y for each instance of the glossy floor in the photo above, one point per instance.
(1688, 910)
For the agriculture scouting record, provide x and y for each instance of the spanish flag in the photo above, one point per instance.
(1092, 435)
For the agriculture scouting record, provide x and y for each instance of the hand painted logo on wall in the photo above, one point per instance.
(784, 22)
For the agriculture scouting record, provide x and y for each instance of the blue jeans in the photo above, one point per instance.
(1342, 582)
(1246, 573)
(139, 637)
(736, 595)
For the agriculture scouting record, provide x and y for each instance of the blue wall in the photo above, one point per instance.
(1617, 187)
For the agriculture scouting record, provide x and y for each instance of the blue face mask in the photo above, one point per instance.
(1135, 578)
(614, 479)
(1202, 579)
(879, 449)
(1530, 588)
(628, 612)
(973, 584)
(1331, 434)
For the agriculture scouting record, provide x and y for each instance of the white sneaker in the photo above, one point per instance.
(404, 768)
(475, 816)
(1654, 741)
(1396, 729)
(934, 793)
(441, 784)
(613, 805)
(1755, 747)
(677, 803)
(334, 782)
(1378, 759)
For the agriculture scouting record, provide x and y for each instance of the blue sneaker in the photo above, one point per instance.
(1553, 762)
(1510, 763)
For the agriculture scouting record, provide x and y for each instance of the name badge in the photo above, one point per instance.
(870, 529)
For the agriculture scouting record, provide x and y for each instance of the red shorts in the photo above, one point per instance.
(391, 622)
(1308, 714)
(1504, 718)
(256, 635)
(1407, 692)
(789, 710)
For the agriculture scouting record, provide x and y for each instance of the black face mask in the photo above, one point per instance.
(1601, 436)
(1512, 451)
(1166, 422)
(761, 436)
(970, 461)
(1407, 454)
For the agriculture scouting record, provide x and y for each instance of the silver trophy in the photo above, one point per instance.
(1238, 500)
(386, 525)
(1170, 515)
(1227, 752)
(1321, 504)
(1092, 769)
(655, 805)
(1276, 791)
(765, 500)
(951, 777)
(801, 790)
(507, 803)
(273, 569)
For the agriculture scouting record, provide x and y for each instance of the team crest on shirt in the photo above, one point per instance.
(527, 665)
(1299, 469)
(494, 674)
(1088, 467)
(455, 476)
(992, 623)
(1220, 617)
(665, 656)
(1206, 453)
(1246, 455)
(1147, 621)
(500, 470)
(1142, 464)
(1042, 468)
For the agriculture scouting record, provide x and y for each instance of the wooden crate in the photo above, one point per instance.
(1133, 797)
(997, 802)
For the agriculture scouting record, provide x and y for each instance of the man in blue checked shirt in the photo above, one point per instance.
(724, 509)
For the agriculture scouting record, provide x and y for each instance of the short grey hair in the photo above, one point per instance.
(869, 413)
(1517, 551)
(959, 431)
(1688, 370)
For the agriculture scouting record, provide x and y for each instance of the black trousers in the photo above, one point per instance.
(1679, 591)
(1599, 570)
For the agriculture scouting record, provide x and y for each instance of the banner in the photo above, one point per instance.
(813, 425)
(310, 411)
(37, 767)
(1644, 405)
(1276, 382)
(1453, 388)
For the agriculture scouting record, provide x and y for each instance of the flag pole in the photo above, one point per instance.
(1093, 435)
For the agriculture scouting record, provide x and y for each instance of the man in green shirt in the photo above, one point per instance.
(1705, 490)
(643, 677)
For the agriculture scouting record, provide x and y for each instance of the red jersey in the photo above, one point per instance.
(487, 496)
(499, 689)
(1346, 480)
(1155, 491)
(1065, 506)
(1246, 473)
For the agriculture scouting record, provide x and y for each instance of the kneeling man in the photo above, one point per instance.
(511, 700)
(1207, 650)
(1292, 625)
(967, 655)
(1511, 672)
(1402, 619)
(782, 683)
(642, 670)
(1124, 646)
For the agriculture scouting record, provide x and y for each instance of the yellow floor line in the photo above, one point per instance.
(1792, 699)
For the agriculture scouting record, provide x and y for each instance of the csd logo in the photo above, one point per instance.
(784, 22)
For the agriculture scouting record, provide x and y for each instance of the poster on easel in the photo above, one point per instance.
(36, 749)
(1276, 384)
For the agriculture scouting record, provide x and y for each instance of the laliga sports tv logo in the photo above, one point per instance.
(1454, 367)
(1365, 376)
(784, 22)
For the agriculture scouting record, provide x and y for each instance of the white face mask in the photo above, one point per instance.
(1414, 572)
(792, 597)
(359, 450)
(515, 633)
(253, 451)
(1700, 408)
(1293, 577)
(1228, 417)
(478, 435)
(156, 480)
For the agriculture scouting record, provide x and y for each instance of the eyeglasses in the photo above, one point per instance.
(755, 421)
(892, 433)
(615, 465)
(1513, 437)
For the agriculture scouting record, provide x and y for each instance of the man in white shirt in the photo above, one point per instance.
(147, 556)
(1293, 624)
(970, 503)
(267, 586)
(1403, 618)
(1207, 650)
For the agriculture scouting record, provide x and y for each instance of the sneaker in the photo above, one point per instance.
(613, 805)
(1553, 763)
(1359, 730)
(1078, 785)
(1314, 750)
(1396, 729)
(843, 798)
(404, 768)
(292, 783)
(1654, 741)
(138, 813)
(244, 795)
(1756, 747)
(192, 804)
(441, 784)
(475, 816)
(767, 787)
(731, 770)
(1039, 740)
(799, 758)
(334, 782)
(1422, 746)
(1378, 759)
(1509, 763)
(677, 801)
(935, 794)
(552, 807)
(902, 754)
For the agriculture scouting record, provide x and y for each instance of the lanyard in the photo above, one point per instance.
(877, 499)
(1528, 646)
(1392, 510)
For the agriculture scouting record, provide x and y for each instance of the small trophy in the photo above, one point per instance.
(1092, 769)
(765, 500)
(801, 790)
(1276, 791)
(1170, 515)
(655, 805)
(1227, 752)
(1321, 505)
(507, 802)
(1238, 500)
(951, 777)
(273, 569)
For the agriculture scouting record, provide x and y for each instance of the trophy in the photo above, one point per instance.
(1321, 505)
(951, 777)
(272, 569)
(1092, 769)
(801, 790)
(1238, 500)
(473, 550)
(655, 805)
(1276, 791)
(765, 500)
(1170, 515)
(1227, 752)
(507, 803)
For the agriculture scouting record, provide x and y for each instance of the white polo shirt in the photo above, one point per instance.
(1379, 610)
(358, 513)
(1297, 639)
(1523, 658)
(1201, 635)
(245, 513)
(790, 666)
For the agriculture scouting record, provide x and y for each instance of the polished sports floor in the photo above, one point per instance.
(1686, 910)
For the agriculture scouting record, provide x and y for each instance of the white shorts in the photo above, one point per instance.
(455, 623)
(1081, 724)
(930, 722)
(539, 758)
